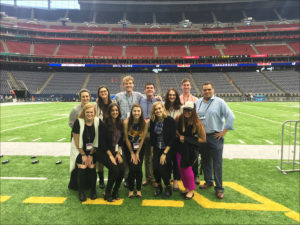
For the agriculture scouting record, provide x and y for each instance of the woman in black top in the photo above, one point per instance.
(111, 155)
(103, 101)
(85, 138)
(162, 136)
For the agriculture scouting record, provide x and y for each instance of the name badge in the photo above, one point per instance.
(202, 117)
(116, 148)
(128, 114)
(136, 146)
(89, 146)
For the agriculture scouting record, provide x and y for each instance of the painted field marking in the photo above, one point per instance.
(37, 139)
(45, 200)
(61, 139)
(4, 198)
(241, 141)
(163, 203)
(264, 204)
(101, 201)
(270, 142)
(30, 113)
(262, 118)
(31, 125)
(23, 178)
(13, 139)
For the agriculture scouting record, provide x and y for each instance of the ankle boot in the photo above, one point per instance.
(168, 192)
(158, 190)
(93, 194)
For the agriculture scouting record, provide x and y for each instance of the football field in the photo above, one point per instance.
(255, 191)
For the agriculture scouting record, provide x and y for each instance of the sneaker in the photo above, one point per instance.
(205, 186)
(168, 192)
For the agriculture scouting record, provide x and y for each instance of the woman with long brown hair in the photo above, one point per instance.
(191, 134)
(135, 131)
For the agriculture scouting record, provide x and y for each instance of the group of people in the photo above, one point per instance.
(169, 134)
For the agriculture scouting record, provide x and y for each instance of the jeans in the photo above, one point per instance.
(213, 161)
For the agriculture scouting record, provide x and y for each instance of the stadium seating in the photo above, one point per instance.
(243, 49)
(135, 51)
(44, 49)
(4, 88)
(251, 27)
(221, 84)
(33, 80)
(31, 25)
(73, 50)
(82, 28)
(252, 82)
(289, 81)
(140, 79)
(65, 83)
(111, 80)
(273, 49)
(203, 50)
(18, 47)
(120, 29)
(295, 46)
(55, 27)
(107, 51)
(171, 51)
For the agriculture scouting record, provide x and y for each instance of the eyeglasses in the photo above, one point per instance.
(172, 94)
(187, 110)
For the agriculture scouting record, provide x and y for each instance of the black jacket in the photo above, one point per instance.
(169, 131)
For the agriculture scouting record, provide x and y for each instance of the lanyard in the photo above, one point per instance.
(207, 106)
(129, 104)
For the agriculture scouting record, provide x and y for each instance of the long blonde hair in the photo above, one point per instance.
(85, 107)
(153, 116)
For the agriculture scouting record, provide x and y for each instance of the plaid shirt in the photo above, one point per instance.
(125, 102)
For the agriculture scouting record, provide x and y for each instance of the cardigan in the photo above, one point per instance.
(169, 132)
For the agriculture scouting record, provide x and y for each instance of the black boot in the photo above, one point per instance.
(108, 197)
(101, 180)
(93, 194)
(158, 190)
(168, 192)
(82, 197)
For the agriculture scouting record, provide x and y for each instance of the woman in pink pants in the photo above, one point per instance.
(191, 133)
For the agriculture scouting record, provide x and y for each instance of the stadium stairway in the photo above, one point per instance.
(254, 49)
(158, 85)
(86, 81)
(91, 50)
(56, 50)
(4, 46)
(290, 47)
(45, 84)
(233, 83)
(14, 82)
(272, 83)
(194, 83)
(155, 51)
(187, 50)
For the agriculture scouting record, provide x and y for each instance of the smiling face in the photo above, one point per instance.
(158, 110)
(84, 98)
(149, 91)
(207, 91)
(172, 96)
(128, 85)
(114, 112)
(89, 113)
(103, 93)
(186, 87)
(136, 113)
(187, 113)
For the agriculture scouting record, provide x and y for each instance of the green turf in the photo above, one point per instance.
(255, 122)
(259, 176)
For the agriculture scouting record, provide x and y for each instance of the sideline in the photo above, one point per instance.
(231, 151)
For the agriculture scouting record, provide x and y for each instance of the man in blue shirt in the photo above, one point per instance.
(146, 104)
(212, 112)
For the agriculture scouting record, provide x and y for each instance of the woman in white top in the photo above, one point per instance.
(173, 109)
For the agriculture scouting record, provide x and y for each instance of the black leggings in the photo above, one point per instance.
(86, 179)
(135, 171)
(161, 171)
(115, 172)
(174, 167)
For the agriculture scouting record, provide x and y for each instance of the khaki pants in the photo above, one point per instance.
(148, 159)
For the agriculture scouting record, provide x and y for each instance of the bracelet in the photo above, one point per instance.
(164, 153)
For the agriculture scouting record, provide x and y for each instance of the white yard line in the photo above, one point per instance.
(23, 178)
(13, 139)
(241, 141)
(270, 142)
(30, 113)
(36, 139)
(262, 118)
(30, 125)
(61, 139)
